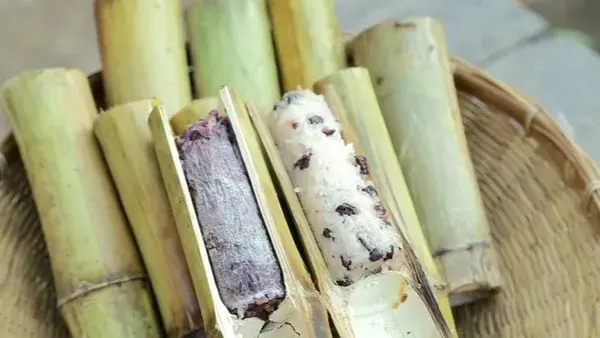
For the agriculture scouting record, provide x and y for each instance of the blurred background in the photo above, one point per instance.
(544, 48)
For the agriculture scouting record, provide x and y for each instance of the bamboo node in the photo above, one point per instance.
(91, 287)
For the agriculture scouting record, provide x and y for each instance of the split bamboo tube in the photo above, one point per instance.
(231, 44)
(101, 283)
(307, 41)
(142, 49)
(385, 304)
(126, 141)
(351, 96)
(301, 312)
(193, 112)
(409, 65)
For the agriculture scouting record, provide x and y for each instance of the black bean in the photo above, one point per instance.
(345, 262)
(344, 282)
(389, 254)
(294, 124)
(370, 190)
(315, 119)
(361, 161)
(375, 255)
(327, 131)
(303, 162)
(346, 209)
(381, 212)
(327, 233)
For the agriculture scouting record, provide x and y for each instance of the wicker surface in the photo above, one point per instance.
(540, 194)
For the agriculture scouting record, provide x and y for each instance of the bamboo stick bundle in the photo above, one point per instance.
(126, 142)
(290, 305)
(101, 284)
(351, 97)
(366, 270)
(231, 43)
(307, 41)
(409, 66)
(193, 112)
(142, 49)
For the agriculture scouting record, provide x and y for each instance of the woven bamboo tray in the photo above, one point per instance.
(539, 190)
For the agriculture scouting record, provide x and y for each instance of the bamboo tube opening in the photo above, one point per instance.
(193, 112)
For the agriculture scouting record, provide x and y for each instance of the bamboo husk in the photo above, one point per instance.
(193, 112)
(301, 312)
(388, 304)
(409, 65)
(231, 43)
(142, 49)
(351, 96)
(307, 41)
(93, 256)
(126, 142)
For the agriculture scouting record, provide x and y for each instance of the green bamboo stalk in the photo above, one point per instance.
(142, 49)
(307, 41)
(101, 284)
(231, 45)
(409, 65)
(126, 142)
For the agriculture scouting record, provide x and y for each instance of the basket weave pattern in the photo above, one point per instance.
(539, 191)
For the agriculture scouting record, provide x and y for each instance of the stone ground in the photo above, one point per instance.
(510, 41)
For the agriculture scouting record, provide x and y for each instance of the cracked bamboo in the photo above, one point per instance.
(126, 141)
(409, 66)
(301, 312)
(142, 49)
(93, 256)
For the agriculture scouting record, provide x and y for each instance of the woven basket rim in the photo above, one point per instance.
(532, 116)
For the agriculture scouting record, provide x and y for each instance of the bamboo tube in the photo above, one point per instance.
(409, 65)
(385, 304)
(351, 96)
(193, 112)
(126, 141)
(301, 312)
(142, 49)
(101, 284)
(307, 41)
(231, 44)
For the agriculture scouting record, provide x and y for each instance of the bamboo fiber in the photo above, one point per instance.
(126, 142)
(93, 256)
(142, 49)
(307, 41)
(193, 112)
(301, 311)
(408, 63)
(231, 44)
(351, 96)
